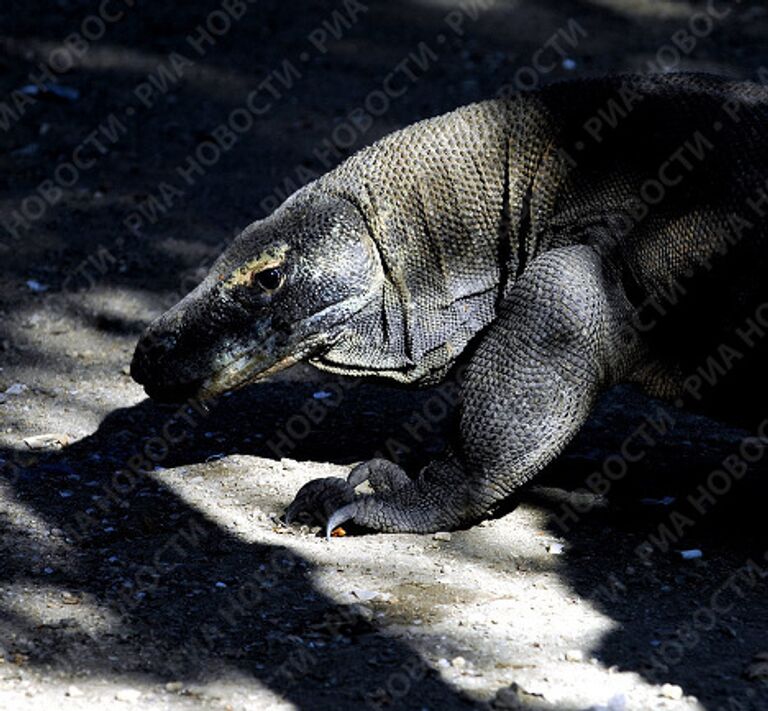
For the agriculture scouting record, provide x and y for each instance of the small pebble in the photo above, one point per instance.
(74, 691)
(51, 440)
(555, 548)
(128, 695)
(574, 655)
(458, 662)
(174, 686)
(671, 691)
(368, 595)
(69, 599)
(34, 285)
(442, 536)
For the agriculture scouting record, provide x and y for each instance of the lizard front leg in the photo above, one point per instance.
(556, 343)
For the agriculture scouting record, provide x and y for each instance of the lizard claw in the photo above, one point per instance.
(337, 518)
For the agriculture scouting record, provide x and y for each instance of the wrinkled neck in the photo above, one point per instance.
(444, 201)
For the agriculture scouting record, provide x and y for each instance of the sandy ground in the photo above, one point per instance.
(177, 586)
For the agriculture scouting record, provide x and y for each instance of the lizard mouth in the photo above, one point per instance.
(250, 368)
(243, 371)
(246, 369)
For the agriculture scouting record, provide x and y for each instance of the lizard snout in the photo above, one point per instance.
(149, 367)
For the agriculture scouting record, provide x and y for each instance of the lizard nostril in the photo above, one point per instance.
(151, 350)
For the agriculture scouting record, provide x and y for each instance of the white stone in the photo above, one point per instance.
(671, 691)
(574, 655)
(128, 695)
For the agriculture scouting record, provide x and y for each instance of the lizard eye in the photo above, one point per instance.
(270, 280)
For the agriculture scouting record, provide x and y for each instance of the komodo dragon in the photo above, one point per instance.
(563, 240)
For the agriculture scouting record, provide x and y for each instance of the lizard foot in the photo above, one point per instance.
(332, 501)
(385, 478)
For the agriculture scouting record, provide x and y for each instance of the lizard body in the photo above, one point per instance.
(560, 242)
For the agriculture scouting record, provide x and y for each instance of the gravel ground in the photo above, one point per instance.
(143, 562)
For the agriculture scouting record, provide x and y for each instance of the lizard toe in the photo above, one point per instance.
(318, 499)
(384, 476)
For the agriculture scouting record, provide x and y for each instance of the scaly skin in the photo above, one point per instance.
(584, 235)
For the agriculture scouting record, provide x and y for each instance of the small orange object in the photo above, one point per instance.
(338, 532)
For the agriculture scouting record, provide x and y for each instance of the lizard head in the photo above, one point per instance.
(281, 292)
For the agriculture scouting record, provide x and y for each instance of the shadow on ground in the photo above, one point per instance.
(155, 561)
(189, 601)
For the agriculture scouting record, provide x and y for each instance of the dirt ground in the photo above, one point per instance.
(143, 564)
